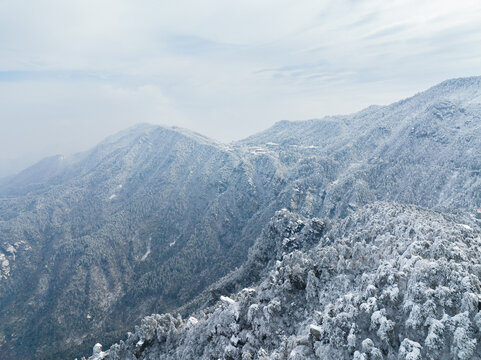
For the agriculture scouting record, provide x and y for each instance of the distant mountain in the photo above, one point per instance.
(152, 217)
(424, 150)
(388, 282)
(10, 166)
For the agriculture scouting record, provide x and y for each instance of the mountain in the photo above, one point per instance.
(424, 150)
(390, 281)
(151, 218)
(141, 222)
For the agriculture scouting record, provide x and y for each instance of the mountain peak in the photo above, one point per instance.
(461, 82)
(143, 129)
(464, 89)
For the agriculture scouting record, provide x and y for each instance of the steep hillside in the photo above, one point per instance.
(142, 222)
(388, 282)
(152, 217)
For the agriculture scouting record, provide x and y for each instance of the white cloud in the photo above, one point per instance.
(224, 68)
(74, 116)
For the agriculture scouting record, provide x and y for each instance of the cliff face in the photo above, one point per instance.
(152, 217)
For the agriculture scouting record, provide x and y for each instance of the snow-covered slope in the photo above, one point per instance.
(424, 150)
(141, 222)
(388, 282)
(152, 217)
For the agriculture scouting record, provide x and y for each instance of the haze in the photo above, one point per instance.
(73, 72)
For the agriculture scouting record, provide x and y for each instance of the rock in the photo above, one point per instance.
(315, 331)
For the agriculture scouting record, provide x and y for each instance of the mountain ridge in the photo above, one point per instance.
(148, 220)
(443, 88)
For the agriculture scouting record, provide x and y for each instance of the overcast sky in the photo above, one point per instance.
(75, 71)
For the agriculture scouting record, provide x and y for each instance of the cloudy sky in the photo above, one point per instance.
(75, 71)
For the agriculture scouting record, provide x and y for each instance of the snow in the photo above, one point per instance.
(227, 300)
(97, 353)
(368, 156)
(4, 266)
(467, 227)
(12, 251)
(147, 253)
(315, 330)
(192, 321)
(378, 304)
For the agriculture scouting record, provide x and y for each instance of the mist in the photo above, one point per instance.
(74, 73)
